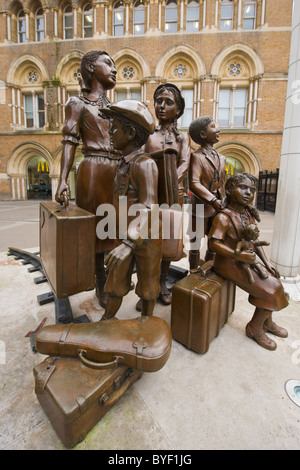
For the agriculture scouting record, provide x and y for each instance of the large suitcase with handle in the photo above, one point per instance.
(75, 397)
(67, 248)
(201, 305)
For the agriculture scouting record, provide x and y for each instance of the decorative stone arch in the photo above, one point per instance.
(17, 165)
(183, 53)
(132, 69)
(18, 67)
(243, 154)
(65, 66)
(238, 49)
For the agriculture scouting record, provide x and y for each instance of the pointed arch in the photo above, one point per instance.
(183, 52)
(238, 49)
(19, 65)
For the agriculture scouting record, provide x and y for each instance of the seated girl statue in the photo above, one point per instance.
(266, 294)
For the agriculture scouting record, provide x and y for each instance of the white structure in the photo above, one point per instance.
(286, 238)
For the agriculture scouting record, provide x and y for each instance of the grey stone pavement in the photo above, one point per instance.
(231, 398)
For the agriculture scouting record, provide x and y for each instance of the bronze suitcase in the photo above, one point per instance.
(67, 248)
(201, 305)
(75, 397)
(143, 343)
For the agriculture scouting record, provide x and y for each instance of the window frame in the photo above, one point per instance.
(253, 18)
(36, 112)
(232, 107)
(68, 14)
(85, 13)
(39, 31)
(223, 19)
(118, 9)
(168, 8)
(139, 6)
(194, 20)
(21, 19)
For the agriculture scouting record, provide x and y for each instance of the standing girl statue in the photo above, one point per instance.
(94, 185)
(169, 106)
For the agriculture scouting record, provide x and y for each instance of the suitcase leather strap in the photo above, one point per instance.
(62, 339)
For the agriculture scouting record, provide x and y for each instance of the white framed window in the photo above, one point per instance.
(34, 110)
(21, 26)
(128, 94)
(87, 22)
(187, 117)
(232, 107)
(68, 22)
(171, 16)
(226, 15)
(139, 17)
(192, 16)
(118, 19)
(249, 14)
(39, 25)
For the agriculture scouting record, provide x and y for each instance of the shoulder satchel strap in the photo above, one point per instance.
(233, 224)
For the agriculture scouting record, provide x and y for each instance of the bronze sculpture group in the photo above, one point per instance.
(122, 148)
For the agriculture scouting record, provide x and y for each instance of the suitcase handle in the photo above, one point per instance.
(98, 365)
(203, 269)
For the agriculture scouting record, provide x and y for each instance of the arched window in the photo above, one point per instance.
(192, 16)
(118, 19)
(249, 14)
(39, 25)
(21, 27)
(171, 16)
(88, 21)
(232, 107)
(139, 17)
(68, 22)
(226, 15)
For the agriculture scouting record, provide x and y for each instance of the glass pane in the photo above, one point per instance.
(239, 117)
(223, 118)
(139, 29)
(171, 14)
(136, 95)
(240, 98)
(21, 24)
(192, 26)
(118, 17)
(28, 102)
(187, 116)
(248, 24)
(224, 99)
(192, 13)
(121, 95)
(118, 30)
(249, 11)
(225, 25)
(226, 11)
(88, 32)
(68, 21)
(139, 16)
(68, 33)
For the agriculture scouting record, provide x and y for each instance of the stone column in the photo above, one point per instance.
(285, 252)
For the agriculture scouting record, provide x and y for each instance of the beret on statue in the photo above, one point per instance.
(135, 111)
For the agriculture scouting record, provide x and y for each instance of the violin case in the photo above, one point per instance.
(67, 247)
(201, 304)
(143, 343)
(75, 397)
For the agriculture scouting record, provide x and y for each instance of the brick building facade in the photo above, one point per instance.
(230, 58)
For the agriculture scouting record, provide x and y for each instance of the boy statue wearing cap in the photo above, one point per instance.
(136, 182)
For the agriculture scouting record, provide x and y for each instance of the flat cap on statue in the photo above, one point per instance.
(134, 111)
